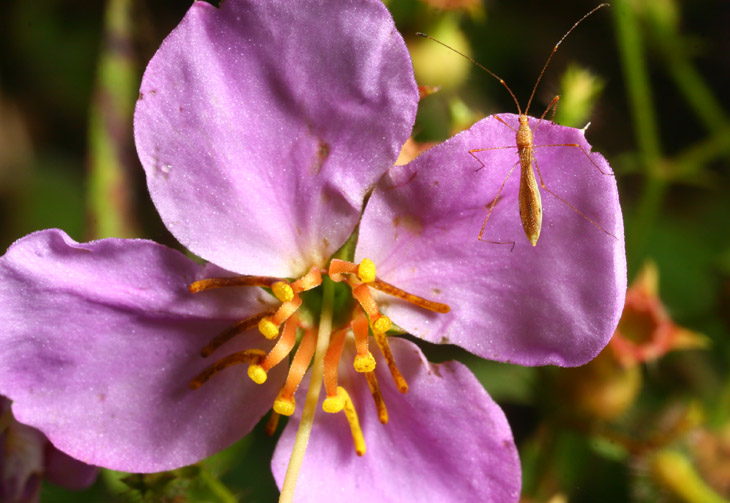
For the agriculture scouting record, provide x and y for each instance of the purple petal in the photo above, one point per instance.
(100, 341)
(557, 303)
(446, 440)
(65, 471)
(21, 463)
(262, 125)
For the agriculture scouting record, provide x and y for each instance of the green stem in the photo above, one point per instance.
(110, 188)
(315, 384)
(695, 91)
(217, 487)
(644, 118)
(637, 82)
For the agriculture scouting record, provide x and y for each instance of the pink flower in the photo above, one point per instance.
(264, 127)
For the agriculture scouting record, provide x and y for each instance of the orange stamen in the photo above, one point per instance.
(378, 322)
(377, 396)
(269, 325)
(364, 361)
(284, 403)
(271, 424)
(339, 267)
(400, 382)
(283, 347)
(310, 280)
(249, 356)
(364, 271)
(331, 361)
(210, 283)
(384, 287)
(231, 332)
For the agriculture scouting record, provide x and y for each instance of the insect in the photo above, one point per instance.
(530, 203)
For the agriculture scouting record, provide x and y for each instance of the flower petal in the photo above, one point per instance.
(557, 303)
(65, 471)
(100, 341)
(446, 441)
(261, 125)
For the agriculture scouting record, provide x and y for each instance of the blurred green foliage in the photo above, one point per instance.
(649, 75)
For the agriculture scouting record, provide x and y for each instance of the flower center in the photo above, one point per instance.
(283, 323)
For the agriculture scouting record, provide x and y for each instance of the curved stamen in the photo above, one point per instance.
(310, 280)
(210, 283)
(409, 297)
(231, 332)
(269, 325)
(284, 403)
(333, 402)
(283, 347)
(249, 356)
(365, 270)
(378, 322)
(364, 360)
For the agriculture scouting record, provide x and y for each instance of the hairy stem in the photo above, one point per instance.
(315, 384)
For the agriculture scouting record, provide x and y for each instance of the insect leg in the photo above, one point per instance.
(581, 149)
(491, 208)
(544, 187)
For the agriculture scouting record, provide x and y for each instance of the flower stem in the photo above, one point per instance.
(217, 488)
(315, 384)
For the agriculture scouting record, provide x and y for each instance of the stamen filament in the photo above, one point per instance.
(284, 403)
(305, 425)
(271, 424)
(378, 397)
(210, 283)
(367, 302)
(310, 280)
(364, 360)
(248, 356)
(333, 403)
(365, 270)
(231, 332)
(338, 268)
(384, 287)
(351, 415)
(400, 382)
(269, 325)
(283, 347)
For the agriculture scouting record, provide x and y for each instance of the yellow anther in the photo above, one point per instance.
(364, 363)
(382, 325)
(284, 406)
(282, 291)
(268, 328)
(366, 271)
(333, 404)
(257, 373)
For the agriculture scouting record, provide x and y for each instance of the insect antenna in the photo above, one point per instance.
(490, 72)
(529, 102)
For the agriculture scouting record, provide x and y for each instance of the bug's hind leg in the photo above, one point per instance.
(546, 189)
(491, 208)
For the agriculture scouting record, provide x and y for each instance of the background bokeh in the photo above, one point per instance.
(651, 77)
